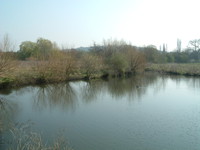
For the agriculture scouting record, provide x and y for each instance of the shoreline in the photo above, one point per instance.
(190, 70)
(13, 83)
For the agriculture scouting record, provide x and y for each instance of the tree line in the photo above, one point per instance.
(43, 47)
(49, 62)
(191, 54)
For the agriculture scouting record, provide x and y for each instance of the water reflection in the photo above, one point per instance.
(100, 110)
(91, 90)
(67, 95)
(8, 110)
(134, 87)
(194, 82)
(62, 95)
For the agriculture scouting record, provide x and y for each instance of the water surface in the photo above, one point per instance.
(145, 112)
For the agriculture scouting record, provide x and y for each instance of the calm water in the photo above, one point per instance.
(146, 112)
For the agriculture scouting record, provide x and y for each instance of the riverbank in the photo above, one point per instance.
(190, 69)
(29, 73)
(12, 82)
(53, 65)
(24, 75)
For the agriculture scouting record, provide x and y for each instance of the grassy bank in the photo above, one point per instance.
(29, 73)
(189, 69)
(48, 64)
(43, 72)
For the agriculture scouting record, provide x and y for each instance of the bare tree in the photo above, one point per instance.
(195, 45)
(6, 57)
(135, 59)
(91, 64)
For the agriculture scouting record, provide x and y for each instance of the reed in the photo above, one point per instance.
(189, 69)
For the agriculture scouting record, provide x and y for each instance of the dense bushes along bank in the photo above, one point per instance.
(49, 64)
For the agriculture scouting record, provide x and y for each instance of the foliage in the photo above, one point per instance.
(43, 49)
(151, 54)
(40, 50)
(118, 63)
(7, 59)
(27, 49)
(62, 63)
(5, 82)
(189, 69)
(136, 60)
(44, 62)
(119, 56)
(90, 64)
(190, 54)
(194, 44)
(7, 63)
(25, 139)
(21, 136)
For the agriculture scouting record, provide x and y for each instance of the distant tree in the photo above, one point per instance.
(97, 49)
(164, 48)
(27, 49)
(170, 57)
(151, 54)
(113, 46)
(181, 57)
(178, 45)
(43, 48)
(195, 44)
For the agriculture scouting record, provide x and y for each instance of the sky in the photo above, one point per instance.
(75, 23)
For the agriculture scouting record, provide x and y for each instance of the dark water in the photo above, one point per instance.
(146, 112)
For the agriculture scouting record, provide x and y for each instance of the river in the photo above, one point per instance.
(144, 112)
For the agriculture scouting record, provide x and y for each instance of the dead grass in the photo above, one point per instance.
(191, 69)
(21, 137)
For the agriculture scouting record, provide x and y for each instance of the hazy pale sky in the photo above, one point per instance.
(75, 23)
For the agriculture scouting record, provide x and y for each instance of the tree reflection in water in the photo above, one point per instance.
(62, 95)
(192, 82)
(91, 90)
(8, 110)
(134, 87)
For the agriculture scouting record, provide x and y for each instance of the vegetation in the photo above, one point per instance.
(7, 60)
(43, 62)
(192, 69)
(191, 54)
(20, 136)
(182, 62)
